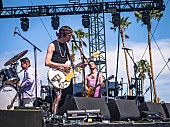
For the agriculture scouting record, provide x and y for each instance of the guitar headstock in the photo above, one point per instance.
(96, 54)
(110, 77)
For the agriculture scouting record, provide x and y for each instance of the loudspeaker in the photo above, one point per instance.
(20, 118)
(152, 107)
(123, 110)
(84, 103)
(140, 99)
(166, 107)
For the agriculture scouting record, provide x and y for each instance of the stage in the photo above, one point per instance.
(115, 124)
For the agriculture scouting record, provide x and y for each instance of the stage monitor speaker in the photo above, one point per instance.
(20, 118)
(85, 103)
(166, 107)
(123, 110)
(152, 107)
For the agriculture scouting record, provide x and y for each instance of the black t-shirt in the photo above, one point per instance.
(60, 55)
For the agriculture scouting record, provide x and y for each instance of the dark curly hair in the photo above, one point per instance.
(64, 30)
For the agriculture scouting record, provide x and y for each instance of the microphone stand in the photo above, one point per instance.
(35, 60)
(135, 84)
(82, 54)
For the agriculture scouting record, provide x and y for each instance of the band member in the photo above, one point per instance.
(28, 85)
(56, 57)
(94, 81)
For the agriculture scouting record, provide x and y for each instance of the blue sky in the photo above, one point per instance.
(39, 28)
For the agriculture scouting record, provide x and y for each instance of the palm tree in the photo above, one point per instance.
(143, 68)
(80, 35)
(156, 15)
(124, 23)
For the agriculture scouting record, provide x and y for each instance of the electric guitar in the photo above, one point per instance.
(91, 90)
(61, 79)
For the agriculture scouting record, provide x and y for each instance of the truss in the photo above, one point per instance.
(81, 8)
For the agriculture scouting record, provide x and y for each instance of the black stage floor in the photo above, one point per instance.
(115, 124)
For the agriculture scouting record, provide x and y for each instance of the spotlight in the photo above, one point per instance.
(146, 18)
(24, 24)
(55, 22)
(85, 21)
(1, 6)
(116, 19)
(159, 3)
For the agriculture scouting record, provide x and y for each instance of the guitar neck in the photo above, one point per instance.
(104, 81)
(79, 64)
(99, 84)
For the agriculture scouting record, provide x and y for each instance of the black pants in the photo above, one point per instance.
(66, 94)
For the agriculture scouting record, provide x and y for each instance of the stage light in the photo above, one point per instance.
(85, 21)
(24, 24)
(55, 22)
(146, 18)
(1, 6)
(116, 19)
(159, 3)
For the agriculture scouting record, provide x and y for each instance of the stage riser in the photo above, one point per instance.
(16, 118)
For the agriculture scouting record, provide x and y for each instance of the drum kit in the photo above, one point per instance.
(8, 83)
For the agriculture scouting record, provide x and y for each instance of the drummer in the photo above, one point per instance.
(28, 86)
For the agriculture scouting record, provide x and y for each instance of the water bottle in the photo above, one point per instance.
(64, 118)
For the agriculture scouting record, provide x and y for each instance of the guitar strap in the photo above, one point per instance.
(97, 83)
(97, 79)
(69, 57)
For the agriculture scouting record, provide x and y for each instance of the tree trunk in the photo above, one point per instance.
(151, 64)
(126, 60)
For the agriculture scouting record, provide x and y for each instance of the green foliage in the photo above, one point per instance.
(143, 68)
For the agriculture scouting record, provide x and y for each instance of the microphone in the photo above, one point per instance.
(126, 48)
(15, 30)
(74, 41)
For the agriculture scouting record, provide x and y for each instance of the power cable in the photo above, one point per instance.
(43, 24)
(154, 39)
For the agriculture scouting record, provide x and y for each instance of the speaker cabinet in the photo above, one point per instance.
(84, 103)
(20, 118)
(166, 107)
(123, 110)
(152, 107)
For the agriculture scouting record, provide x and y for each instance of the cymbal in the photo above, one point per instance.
(16, 57)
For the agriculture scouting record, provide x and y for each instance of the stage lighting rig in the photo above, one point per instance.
(146, 17)
(55, 22)
(160, 3)
(116, 19)
(24, 24)
(86, 21)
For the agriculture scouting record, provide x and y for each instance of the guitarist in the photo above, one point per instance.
(57, 55)
(94, 81)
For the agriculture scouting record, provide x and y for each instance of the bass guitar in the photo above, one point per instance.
(61, 79)
(91, 90)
